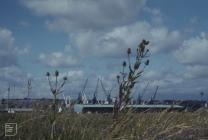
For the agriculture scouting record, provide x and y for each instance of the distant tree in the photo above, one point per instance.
(127, 79)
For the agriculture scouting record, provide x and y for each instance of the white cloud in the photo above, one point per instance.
(24, 23)
(74, 75)
(6, 38)
(88, 14)
(194, 51)
(196, 72)
(155, 15)
(163, 78)
(58, 59)
(8, 50)
(7, 53)
(115, 42)
(13, 75)
(10, 71)
(105, 28)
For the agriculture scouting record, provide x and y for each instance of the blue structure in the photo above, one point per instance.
(108, 108)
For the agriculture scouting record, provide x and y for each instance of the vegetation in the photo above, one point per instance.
(126, 84)
(56, 89)
(131, 126)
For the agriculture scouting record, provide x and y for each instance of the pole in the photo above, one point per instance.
(8, 104)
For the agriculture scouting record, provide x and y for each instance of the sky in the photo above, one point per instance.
(89, 39)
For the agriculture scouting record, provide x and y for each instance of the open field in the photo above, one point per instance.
(131, 126)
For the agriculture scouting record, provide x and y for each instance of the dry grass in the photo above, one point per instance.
(130, 126)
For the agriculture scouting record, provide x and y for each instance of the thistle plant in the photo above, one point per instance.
(56, 89)
(127, 79)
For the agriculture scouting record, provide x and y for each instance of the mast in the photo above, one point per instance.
(8, 98)
(29, 87)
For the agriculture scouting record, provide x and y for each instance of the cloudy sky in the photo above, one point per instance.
(88, 39)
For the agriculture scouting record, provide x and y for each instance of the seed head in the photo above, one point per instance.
(147, 50)
(129, 51)
(56, 73)
(48, 74)
(124, 63)
(118, 78)
(147, 62)
(65, 78)
(142, 47)
(145, 42)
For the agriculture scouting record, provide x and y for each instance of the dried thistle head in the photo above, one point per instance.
(147, 62)
(48, 74)
(29, 81)
(129, 51)
(142, 47)
(124, 63)
(118, 78)
(53, 91)
(145, 42)
(65, 78)
(147, 50)
(56, 73)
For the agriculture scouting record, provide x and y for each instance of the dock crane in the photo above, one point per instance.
(29, 87)
(94, 100)
(67, 101)
(139, 99)
(140, 96)
(154, 96)
(82, 99)
(107, 93)
(28, 100)
(9, 108)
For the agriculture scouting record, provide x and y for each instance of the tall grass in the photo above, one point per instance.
(129, 126)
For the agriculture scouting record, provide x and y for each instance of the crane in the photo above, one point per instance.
(85, 85)
(140, 96)
(94, 100)
(107, 92)
(145, 88)
(154, 96)
(82, 99)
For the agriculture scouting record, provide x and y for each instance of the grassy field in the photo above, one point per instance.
(130, 126)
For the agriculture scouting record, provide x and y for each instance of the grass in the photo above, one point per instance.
(130, 126)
